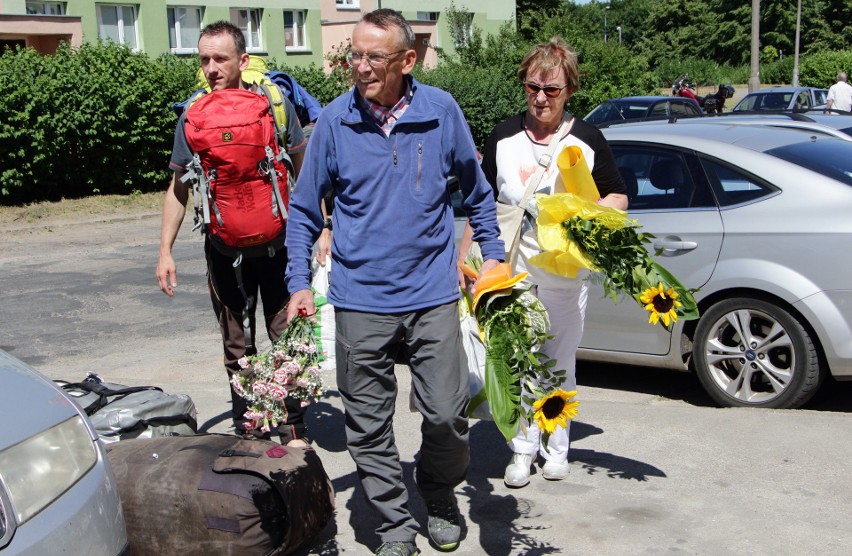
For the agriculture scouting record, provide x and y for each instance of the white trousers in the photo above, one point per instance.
(567, 310)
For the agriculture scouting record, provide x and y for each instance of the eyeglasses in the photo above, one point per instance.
(551, 91)
(375, 60)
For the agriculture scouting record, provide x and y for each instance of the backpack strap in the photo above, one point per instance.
(201, 193)
(276, 105)
(275, 98)
(278, 203)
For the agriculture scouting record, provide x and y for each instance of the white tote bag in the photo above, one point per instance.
(324, 331)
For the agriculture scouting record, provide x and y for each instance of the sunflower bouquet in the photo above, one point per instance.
(288, 369)
(520, 381)
(575, 233)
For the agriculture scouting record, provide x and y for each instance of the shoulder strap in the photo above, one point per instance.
(276, 104)
(543, 163)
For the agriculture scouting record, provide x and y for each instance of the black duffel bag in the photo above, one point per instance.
(215, 494)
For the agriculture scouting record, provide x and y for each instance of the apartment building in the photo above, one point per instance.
(294, 32)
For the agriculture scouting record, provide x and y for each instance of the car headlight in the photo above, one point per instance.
(38, 470)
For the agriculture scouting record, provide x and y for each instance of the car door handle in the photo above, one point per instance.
(670, 244)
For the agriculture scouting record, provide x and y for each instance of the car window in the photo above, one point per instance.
(803, 100)
(606, 112)
(831, 157)
(684, 109)
(773, 101)
(747, 104)
(456, 197)
(821, 96)
(731, 186)
(656, 178)
(660, 108)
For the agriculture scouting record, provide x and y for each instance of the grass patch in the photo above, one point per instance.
(101, 206)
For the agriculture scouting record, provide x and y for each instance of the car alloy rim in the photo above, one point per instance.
(750, 356)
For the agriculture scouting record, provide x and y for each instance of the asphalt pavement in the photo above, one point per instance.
(655, 468)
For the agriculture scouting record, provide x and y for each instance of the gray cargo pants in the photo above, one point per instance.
(366, 347)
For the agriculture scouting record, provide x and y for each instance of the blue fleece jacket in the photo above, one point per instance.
(393, 248)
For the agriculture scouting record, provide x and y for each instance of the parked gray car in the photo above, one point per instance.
(58, 494)
(831, 125)
(758, 219)
(783, 98)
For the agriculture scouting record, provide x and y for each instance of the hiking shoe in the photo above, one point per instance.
(444, 523)
(518, 471)
(397, 548)
(555, 470)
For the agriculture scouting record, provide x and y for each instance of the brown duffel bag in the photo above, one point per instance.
(219, 494)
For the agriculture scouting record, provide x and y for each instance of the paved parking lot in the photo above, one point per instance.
(655, 469)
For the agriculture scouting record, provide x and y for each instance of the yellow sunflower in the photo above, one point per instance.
(661, 303)
(555, 409)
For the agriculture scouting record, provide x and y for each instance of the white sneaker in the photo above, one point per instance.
(555, 470)
(518, 471)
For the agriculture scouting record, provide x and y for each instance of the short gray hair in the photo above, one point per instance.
(387, 18)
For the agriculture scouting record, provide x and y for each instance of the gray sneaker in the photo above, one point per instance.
(397, 548)
(444, 523)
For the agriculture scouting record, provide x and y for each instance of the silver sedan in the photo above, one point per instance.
(58, 494)
(760, 220)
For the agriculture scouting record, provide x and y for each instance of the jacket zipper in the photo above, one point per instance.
(419, 163)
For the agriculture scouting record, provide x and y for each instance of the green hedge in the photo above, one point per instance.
(87, 120)
(98, 120)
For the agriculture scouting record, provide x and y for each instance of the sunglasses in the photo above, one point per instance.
(532, 89)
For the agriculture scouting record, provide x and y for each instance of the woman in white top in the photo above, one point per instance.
(550, 75)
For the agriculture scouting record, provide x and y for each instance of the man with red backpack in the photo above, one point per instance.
(240, 158)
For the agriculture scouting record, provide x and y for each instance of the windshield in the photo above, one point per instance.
(832, 158)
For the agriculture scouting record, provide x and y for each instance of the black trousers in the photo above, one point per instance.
(262, 276)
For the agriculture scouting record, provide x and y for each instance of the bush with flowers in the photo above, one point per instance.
(338, 61)
(288, 369)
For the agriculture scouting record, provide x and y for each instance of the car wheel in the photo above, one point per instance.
(750, 353)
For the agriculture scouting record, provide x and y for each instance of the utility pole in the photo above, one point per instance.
(619, 34)
(754, 78)
(606, 11)
(796, 53)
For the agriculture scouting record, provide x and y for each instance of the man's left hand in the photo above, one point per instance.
(486, 266)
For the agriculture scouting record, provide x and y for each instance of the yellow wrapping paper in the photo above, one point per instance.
(575, 173)
(560, 255)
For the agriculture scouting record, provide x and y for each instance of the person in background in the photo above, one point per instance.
(222, 51)
(840, 95)
(549, 74)
(386, 148)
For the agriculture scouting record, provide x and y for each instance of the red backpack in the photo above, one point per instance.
(239, 171)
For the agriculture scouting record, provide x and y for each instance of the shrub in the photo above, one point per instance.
(87, 120)
(820, 70)
(484, 96)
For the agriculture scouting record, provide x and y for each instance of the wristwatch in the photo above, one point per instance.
(327, 224)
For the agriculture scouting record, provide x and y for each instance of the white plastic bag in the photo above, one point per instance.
(324, 330)
(474, 349)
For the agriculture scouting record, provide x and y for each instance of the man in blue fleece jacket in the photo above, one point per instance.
(386, 148)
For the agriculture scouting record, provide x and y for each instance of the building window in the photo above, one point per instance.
(349, 4)
(427, 16)
(184, 29)
(46, 8)
(118, 24)
(294, 29)
(249, 22)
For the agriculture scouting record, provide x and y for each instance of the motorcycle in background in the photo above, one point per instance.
(713, 103)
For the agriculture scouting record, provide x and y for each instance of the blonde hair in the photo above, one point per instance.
(545, 57)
